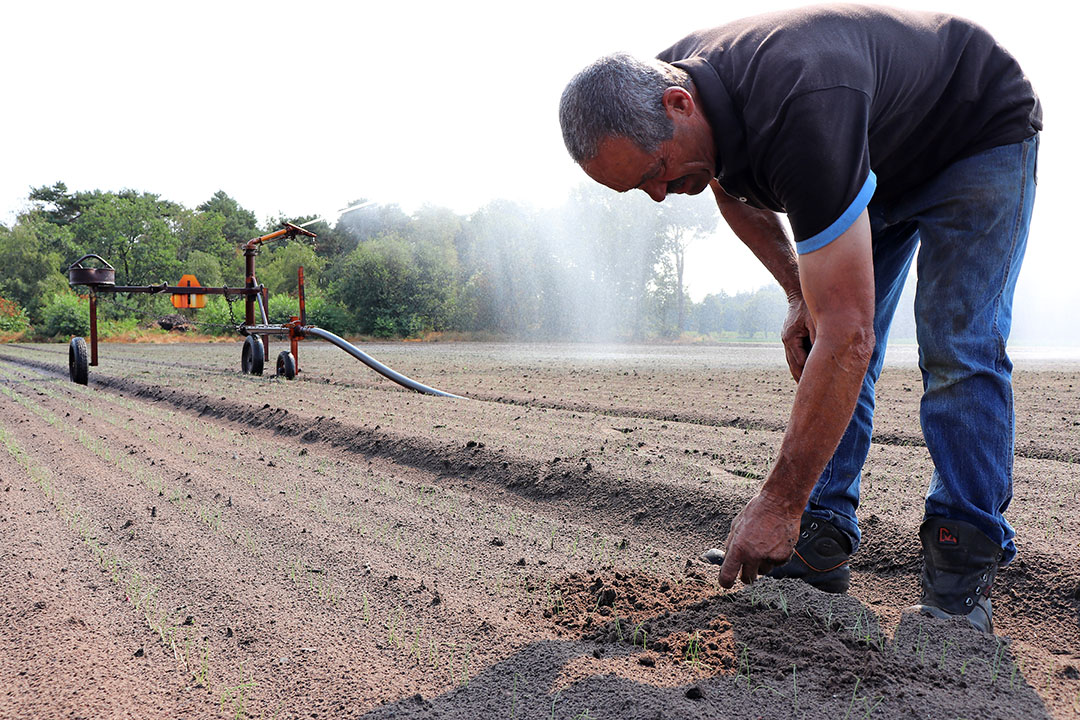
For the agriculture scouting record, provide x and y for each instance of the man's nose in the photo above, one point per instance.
(656, 190)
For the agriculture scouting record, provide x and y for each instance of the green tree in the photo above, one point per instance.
(135, 233)
(54, 213)
(621, 239)
(205, 233)
(280, 270)
(369, 223)
(403, 285)
(376, 285)
(715, 314)
(434, 236)
(58, 206)
(682, 220)
(205, 267)
(238, 225)
(763, 311)
(508, 269)
(34, 269)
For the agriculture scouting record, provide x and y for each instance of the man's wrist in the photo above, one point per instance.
(787, 503)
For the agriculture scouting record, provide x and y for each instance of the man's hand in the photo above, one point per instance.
(762, 537)
(798, 335)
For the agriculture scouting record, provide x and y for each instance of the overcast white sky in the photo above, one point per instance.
(302, 107)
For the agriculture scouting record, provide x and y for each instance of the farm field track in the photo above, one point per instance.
(179, 540)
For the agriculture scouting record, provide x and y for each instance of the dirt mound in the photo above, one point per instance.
(796, 646)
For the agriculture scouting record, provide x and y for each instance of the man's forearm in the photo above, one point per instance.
(838, 286)
(823, 405)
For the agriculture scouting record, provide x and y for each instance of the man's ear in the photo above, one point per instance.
(678, 101)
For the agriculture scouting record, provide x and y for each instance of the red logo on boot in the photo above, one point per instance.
(945, 537)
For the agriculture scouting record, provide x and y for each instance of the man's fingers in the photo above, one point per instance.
(796, 351)
(734, 566)
(794, 362)
(745, 571)
(729, 570)
(749, 573)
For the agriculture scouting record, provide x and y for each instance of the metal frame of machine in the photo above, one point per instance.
(102, 280)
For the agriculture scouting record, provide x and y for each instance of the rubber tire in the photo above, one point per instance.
(286, 365)
(251, 357)
(78, 361)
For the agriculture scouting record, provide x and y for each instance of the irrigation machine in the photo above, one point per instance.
(256, 327)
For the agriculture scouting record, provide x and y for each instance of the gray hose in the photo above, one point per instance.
(373, 363)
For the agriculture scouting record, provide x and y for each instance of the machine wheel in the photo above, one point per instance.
(251, 358)
(286, 365)
(78, 361)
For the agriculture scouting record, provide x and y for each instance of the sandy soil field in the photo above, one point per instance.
(179, 540)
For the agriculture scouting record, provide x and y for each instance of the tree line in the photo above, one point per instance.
(600, 267)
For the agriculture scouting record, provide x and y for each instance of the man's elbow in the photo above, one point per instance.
(851, 344)
(862, 346)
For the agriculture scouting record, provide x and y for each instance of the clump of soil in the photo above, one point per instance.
(788, 640)
(174, 321)
(643, 611)
(628, 594)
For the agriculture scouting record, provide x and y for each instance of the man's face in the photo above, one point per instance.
(684, 164)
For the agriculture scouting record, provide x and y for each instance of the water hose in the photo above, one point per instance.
(373, 363)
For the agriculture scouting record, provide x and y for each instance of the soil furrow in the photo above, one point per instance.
(537, 482)
(221, 596)
(1026, 449)
(69, 641)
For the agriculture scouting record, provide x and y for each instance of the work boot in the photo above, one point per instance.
(959, 567)
(820, 557)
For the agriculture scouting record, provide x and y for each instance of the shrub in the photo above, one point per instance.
(12, 317)
(384, 327)
(65, 315)
(215, 318)
(118, 328)
(329, 315)
(320, 312)
(282, 307)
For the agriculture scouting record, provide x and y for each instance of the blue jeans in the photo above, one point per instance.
(972, 222)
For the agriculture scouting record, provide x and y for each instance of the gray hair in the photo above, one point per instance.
(618, 95)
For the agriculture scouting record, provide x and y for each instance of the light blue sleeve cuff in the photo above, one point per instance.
(842, 223)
